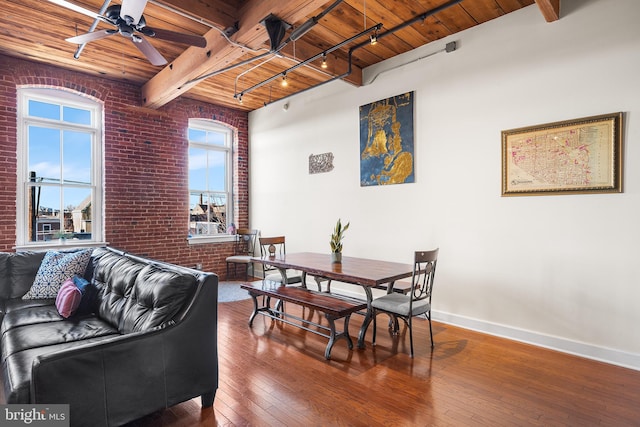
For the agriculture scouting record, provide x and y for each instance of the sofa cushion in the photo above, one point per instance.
(19, 269)
(114, 276)
(68, 298)
(16, 304)
(56, 267)
(157, 295)
(39, 311)
(135, 295)
(43, 334)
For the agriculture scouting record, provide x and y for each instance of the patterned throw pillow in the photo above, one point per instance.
(57, 267)
(68, 298)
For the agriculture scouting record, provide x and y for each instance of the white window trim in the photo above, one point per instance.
(73, 99)
(230, 135)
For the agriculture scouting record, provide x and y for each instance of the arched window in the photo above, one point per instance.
(60, 189)
(210, 180)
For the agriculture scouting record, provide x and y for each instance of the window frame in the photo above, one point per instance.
(70, 99)
(229, 137)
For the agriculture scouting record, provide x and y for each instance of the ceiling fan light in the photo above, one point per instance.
(131, 10)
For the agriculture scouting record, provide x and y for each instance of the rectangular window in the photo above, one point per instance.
(59, 169)
(210, 178)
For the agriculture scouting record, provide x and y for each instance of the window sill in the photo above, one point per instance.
(57, 245)
(220, 238)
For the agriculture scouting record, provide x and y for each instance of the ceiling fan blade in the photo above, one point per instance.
(76, 8)
(132, 9)
(172, 36)
(89, 37)
(149, 51)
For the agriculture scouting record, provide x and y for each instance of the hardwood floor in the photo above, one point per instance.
(276, 375)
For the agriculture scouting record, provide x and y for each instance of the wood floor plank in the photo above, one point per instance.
(276, 375)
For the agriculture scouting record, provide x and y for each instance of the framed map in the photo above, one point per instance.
(386, 141)
(569, 157)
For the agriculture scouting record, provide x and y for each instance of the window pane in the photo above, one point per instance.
(207, 137)
(216, 138)
(197, 135)
(206, 214)
(197, 169)
(44, 212)
(77, 213)
(44, 110)
(44, 153)
(76, 115)
(216, 171)
(219, 208)
(76, 156)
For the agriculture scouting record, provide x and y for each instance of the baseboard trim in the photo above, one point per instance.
(606, 355)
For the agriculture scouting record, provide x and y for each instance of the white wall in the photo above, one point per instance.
(559, 271)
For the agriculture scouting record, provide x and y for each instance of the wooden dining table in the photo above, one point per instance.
(368, 273)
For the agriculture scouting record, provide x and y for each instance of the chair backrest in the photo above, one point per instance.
(272, 246)
(245, 241)
(424, 271)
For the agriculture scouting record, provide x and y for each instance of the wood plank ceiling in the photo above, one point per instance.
(245, 71)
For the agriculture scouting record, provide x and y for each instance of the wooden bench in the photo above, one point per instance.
(333, 307)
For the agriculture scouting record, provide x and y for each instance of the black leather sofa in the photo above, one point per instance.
(150, 343)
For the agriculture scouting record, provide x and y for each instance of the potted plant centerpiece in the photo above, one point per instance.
(336, 241)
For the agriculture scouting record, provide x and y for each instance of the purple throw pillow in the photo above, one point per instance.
(68, 298)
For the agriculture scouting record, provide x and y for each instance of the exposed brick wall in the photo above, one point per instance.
(146, 179)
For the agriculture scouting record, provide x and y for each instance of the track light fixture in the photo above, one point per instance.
(374, 38)
(324, 60)
(284, 81)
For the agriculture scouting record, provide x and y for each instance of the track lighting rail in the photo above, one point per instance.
(308, 60)
(375, 30)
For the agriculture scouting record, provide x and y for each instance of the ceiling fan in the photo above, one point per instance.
(130, 23)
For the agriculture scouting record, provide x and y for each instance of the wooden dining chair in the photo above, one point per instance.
(272, 247)
(417, 302)
(243, 250)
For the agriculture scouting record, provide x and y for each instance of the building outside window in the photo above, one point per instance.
(59, 168)
(210, 179)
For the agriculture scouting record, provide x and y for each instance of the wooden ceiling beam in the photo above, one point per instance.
(174, 79)
(217, 13)
(550, 9)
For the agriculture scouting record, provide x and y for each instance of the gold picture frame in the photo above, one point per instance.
(569, 157)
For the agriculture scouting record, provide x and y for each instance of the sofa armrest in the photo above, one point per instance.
(123, 378)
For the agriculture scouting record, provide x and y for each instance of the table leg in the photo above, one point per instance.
(280, 304)
(367, 317)
(283, 273)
